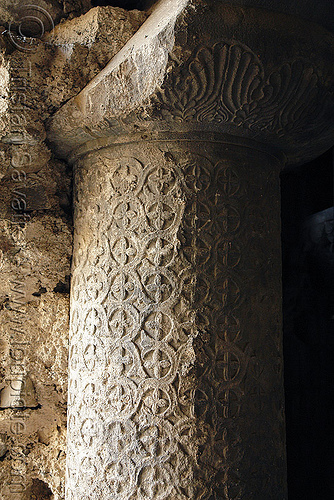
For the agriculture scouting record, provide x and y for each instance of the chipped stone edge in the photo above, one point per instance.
(127, 81)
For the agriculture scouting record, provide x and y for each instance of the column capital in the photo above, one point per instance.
(209, 67)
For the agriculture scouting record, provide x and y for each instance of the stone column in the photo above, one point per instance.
(176, 385)
(176, 323)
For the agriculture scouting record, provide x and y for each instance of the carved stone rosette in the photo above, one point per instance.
(176, 387)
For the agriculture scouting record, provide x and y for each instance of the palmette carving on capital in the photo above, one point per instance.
(227, 83)
(157, 356)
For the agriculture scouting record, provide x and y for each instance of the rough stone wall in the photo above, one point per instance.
(14, 10)
(36, 78)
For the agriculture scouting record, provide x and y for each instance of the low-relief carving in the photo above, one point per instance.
(159, 350)
(228, 83)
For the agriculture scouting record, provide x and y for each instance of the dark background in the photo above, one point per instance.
(308, 306)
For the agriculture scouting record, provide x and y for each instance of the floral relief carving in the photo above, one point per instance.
(227, 83)
(218, 83)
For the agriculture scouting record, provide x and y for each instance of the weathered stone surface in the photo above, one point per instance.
(38, 155)
(277, 90)
(18, 394)
(36, 437)
(321, 13)
(70, 56)
(33, 261)
(40, 15)
(175, 355)
(3, 449)
(177, 146)
(4, 86)
(194, 405)
(36, 238)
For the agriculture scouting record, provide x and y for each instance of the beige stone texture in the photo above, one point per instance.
(36, 78)
(175, 379)
(176, 383)
(17, 11)
(178, 237)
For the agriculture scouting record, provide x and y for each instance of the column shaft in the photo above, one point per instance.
(175, 351)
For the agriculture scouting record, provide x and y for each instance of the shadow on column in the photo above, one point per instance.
(308, 308)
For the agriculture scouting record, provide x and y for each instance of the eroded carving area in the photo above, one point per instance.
(175, 377)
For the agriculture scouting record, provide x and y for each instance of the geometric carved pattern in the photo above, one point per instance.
(165, 370)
